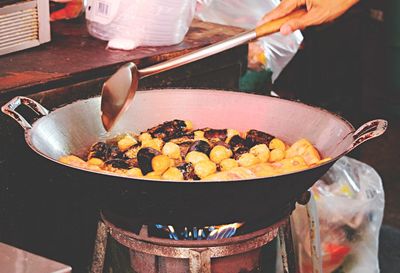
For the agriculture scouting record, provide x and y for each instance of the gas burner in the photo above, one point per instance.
(198, 233)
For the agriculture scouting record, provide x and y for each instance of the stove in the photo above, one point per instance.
(224, 248)
(211, 249)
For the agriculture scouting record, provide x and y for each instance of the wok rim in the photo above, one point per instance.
(183, 90)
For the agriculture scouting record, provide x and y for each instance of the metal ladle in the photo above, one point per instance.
(119, 90)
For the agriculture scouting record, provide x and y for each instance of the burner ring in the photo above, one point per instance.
(184, 248)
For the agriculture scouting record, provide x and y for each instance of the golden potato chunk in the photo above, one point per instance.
(195, 156)
(205, 168)
(145, 136)
(134, 172)
(96, 162)
(126, 142)
(261, 151)
(189, 125)
(276, 155)
(160, 163)
(154, 143)
(276, 143)
(199, 135)
(219, 153)
(228, 164)
(73, 160)
(172, 150)
(304, 149)
(248, 159)
(288, 165)
(153, 175)
(172, 173)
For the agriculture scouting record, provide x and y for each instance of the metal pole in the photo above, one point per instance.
(287, 249)
(200, 261)
(315, 239)
(100, 246)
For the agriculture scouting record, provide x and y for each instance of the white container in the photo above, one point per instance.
(127, 24)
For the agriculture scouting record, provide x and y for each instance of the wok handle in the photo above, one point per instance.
(10, 109)
(367, 131)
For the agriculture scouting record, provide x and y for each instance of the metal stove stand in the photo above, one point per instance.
(198, 253)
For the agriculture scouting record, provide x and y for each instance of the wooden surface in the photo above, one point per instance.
(73, 56)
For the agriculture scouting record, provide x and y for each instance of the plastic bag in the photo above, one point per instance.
(350, 202)
(278, 49)
(127, 24)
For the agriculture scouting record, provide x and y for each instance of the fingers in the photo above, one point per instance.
(313, 17)
(284, 8)
(293, 25)
(318, 12)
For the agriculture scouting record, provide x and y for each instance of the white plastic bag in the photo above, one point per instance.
(127, 24)
(350, 202)
(278, 49)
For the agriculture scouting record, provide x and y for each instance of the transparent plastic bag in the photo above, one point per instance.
(350, 201)
(127, 24)
(278, 49)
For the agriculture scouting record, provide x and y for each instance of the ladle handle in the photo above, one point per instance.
(367, 131)
(262, 30)
(198, 54)
(10, 109)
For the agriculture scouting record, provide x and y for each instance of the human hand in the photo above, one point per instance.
(318, 12)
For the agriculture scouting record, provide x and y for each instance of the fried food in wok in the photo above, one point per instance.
(175, 151)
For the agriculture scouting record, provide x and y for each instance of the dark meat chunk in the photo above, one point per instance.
(105, 151)
(237, 142)
(144, 157)
(222, 143)
(168, 130)
(255, 137)
(215, 135)
(119, 163)
(184, 147)
(114, 152)
(238, 152)
(187, 170)
(200, 146)
(186, 137)
(132, 162)
(99, 150)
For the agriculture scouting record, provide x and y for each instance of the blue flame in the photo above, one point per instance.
(205, 233)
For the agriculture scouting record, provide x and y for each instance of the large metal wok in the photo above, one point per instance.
(73, 128)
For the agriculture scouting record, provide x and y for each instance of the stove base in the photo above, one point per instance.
(233, 255)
